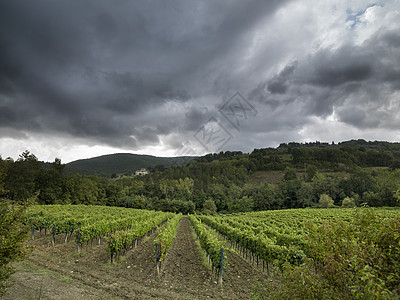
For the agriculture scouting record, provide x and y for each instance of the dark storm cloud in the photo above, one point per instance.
(347, 64)
(279, 83)
(94, 69)
(128, 73)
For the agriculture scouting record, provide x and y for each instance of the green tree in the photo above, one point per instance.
(198, 198)
(3, 173)
(134, 201)
(51, 184)
(325, 185)
(289, 192)
(311, 170)
(218, 194)
(348, 202)
(387, 183)
(305, 195)
(290, 174)
(372, 199)
(360, 181)
(265, 197)
(20, 181)
(325, 201)
(184, 188)
(209, 207)
(241, 204)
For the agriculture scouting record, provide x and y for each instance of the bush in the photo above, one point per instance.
(12, 236)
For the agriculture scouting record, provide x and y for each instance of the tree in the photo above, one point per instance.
(21, 177)
(387, 183)
(326, 185)
(218, 194)
(305, 195)
(288, 192)
(348, 202)
(290, 174)
(198, 198)
(209, 207)
(135, 201)
(397, 196)
(372, 199)
(265, 197)
(311, 170)
(325, 201)
(360, 181)
(184, 188)
(3, 173)
(51, 184)
(242, 204)
(12, 236)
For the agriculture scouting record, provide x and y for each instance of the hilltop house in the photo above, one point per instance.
(142, 171)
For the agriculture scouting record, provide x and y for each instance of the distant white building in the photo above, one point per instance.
(142, 171)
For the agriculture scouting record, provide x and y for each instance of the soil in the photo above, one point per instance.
(60, 272)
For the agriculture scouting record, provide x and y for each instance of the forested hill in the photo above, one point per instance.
(107, 165)
(293, 175)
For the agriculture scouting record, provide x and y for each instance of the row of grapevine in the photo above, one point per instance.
(260, 246)
(67, 218)
(271, 232)
(164, 239)
(209, 242)
(278, 236)
(103, 227)
(123, 239)
(89, 222)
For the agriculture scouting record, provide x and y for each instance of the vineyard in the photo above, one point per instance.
(121, 252)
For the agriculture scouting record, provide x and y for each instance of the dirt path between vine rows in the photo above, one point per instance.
(183, 270)
(60, 272)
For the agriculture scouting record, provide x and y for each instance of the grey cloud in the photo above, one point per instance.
(104, 71)
(279, 84)
(334, 68)
(78, 67)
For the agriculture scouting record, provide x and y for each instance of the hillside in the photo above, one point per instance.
(106, 165)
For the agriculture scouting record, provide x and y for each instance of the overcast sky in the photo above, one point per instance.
(81, 78)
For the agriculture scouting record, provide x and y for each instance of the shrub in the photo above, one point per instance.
(12, 236)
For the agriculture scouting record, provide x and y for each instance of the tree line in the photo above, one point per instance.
(304, 177)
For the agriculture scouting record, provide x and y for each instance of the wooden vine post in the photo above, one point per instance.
(53, 234)
(158, 250)
(221, 268)
(79, 241)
